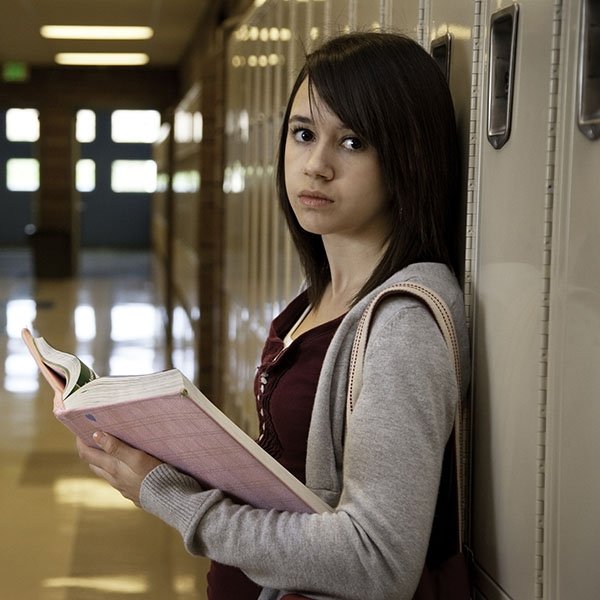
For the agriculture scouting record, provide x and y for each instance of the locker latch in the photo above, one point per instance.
(588, 72)
(441, 51)
(502, 51)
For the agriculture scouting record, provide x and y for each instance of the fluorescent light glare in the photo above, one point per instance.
(102, 58)
(90, 32)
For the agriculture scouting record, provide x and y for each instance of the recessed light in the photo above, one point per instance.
(92, 32)
(102, 58)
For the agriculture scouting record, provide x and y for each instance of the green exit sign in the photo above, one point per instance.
(15, 71)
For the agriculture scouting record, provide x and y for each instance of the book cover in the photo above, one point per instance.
(167, 416)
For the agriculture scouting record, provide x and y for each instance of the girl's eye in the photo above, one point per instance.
(353, 143)
(302, 135)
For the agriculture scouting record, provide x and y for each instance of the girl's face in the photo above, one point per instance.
(333, 178)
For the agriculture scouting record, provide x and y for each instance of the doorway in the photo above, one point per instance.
(117, 178)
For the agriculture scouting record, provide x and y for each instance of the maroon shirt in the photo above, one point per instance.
(284, 386)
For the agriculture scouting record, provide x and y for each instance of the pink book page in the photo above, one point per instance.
(57, 383)
(174, 429)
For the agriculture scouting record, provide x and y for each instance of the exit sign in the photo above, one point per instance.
(15, 71)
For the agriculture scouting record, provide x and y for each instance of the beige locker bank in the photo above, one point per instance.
(524, 78)
(533, 291)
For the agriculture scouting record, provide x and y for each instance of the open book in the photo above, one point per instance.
(165, 415)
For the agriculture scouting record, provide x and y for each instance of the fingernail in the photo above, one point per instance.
(98, 437)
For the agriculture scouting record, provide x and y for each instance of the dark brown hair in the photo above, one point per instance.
(389, 91)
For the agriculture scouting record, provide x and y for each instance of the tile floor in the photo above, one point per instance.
(64, 534)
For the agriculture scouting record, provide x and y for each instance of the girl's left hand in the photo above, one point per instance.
(121, 465)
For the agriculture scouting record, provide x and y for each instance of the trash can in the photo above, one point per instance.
(52, 252)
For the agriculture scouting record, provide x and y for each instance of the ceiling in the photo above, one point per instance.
(174, 23)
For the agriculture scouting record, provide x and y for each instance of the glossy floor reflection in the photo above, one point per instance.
(64, 534)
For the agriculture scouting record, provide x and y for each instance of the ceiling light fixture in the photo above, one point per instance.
(92, 32)
(102, 58)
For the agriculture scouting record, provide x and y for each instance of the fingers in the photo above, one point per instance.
(101, 463)
(90, 455)
(112, 446)
(121, 465)
(109, 454)
(137, 461)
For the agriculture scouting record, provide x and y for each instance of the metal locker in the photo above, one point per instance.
(367, 15)
(403, 16)
(263, 199)
(299, 43)
(318, 23)
(280, 243)
(388, 15)
(235, 268)
(447, 34)
(512, 100)
(337, 19)
(572, 540)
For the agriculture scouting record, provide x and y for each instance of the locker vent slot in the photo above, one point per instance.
(503, 44)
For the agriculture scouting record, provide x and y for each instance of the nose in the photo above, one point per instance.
(318, 163)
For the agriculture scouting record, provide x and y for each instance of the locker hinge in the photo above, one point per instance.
(553, 99)
(472, 169)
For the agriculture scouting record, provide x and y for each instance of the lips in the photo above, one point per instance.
(313, 198)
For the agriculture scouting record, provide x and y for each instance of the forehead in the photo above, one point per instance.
(309, 105)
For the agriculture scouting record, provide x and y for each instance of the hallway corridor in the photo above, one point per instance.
(64, 534)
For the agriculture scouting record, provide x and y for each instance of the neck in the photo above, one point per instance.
(351, 265)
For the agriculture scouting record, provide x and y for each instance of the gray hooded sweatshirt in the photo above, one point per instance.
(381, 474)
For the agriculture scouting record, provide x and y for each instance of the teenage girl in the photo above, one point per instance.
(368, 181)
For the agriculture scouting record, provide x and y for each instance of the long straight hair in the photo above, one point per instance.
(390, 92)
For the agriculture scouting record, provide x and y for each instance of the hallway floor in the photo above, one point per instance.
(64, 534)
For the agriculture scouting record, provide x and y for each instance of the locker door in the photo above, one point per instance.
(510, 178)
(315, 24)
(573, 523)
(281, 246)
(448, 37)
(395, 15)
(337, 17)
(403, 16)
(367, 15)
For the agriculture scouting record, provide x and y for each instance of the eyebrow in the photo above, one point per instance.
(309, 121)
(301, 119)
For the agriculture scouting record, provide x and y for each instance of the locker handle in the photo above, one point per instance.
(440, 50)
(502, 53)
(588, 72)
